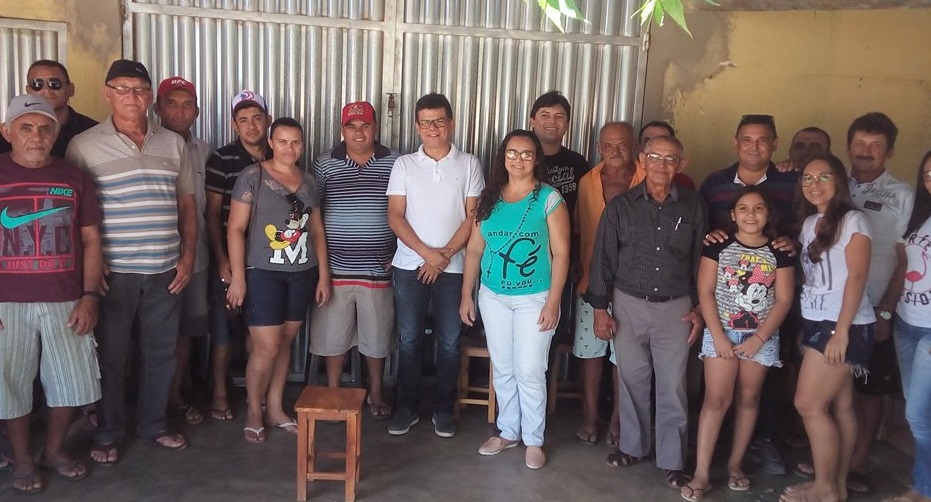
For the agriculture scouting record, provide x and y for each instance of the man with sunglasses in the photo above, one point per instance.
(432, 194)
(146, 187)
(50, 80)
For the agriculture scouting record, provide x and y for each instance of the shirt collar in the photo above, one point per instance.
(882, 179)
(641, 192)
(738, 181)
(451, 155)
(339, 152)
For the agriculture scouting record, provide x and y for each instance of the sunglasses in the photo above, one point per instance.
(53, 83)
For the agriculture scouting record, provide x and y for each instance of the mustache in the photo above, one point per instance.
(865, 157)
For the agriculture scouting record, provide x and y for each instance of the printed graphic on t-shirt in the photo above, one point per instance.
(518, 258)
(747, 294)
(563, 179)
(289, 243)
(917, 289)
(36, 223)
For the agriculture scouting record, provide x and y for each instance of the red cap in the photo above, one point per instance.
(172, 83)
(361, 110)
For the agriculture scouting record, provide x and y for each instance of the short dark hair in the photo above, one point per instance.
(432, 101)
(874, 123)
(818, 130)
(285, 122)
(551, 98)
(757, 119)
(656, 123)
(50, 64)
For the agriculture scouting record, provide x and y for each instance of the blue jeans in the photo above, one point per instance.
(144, 298)
(913, 346)
(519, 352)
(412, 300)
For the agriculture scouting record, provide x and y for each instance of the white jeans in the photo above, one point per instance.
(519, 352)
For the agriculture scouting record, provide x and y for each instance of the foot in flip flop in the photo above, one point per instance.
(220, 410)
(254, 434)
(187, 414)
(738, 482)
(380, 411)
(290, 426)
(105, 455)
(66, 468)
(859, 483)
(694, 494)
(621, 459)
(28, 483)
(167, 440)
(587, 433)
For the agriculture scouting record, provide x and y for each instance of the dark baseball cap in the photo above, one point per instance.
(127, 68)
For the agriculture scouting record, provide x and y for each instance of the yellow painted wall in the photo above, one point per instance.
(821, 68)
(94, 41)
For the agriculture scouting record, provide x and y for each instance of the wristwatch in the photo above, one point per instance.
(885, 315)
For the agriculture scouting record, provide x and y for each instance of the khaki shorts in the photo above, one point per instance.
(36, 338)
(360, 312)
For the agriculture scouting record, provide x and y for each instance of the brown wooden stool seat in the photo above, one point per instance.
(469, 347)
(324, 403)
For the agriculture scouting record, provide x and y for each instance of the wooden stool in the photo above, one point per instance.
(324, 403)
(562, 351)
(469, 347)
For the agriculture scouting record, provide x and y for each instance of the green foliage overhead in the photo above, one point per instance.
(556, 10)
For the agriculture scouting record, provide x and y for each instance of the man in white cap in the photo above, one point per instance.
(146, 188)
(176, 107)
(50, 265)
(250, 121)
(352, 180)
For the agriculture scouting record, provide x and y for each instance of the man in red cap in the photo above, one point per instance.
(176, 107)
(352, 179)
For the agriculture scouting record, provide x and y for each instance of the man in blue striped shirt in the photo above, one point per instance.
(352, 179)
(145, 184)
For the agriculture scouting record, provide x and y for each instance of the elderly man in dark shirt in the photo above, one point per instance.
(644, 264)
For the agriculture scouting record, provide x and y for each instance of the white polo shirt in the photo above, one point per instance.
(887, 204)
(436, 192)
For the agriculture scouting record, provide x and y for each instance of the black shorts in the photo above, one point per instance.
(816, 334)
(883, 378)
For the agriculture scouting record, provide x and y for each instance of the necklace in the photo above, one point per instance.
(497, 252)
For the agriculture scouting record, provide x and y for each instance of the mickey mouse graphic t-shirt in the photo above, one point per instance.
(42, 211)
(746, 287)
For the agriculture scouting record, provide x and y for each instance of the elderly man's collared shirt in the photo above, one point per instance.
(644, 247)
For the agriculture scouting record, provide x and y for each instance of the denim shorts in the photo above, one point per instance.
(768, 355)
(273, 297)
(816, 334)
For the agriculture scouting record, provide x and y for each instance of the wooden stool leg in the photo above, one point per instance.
(492, 400)
(302, 456)
(352, 458)
(554, 381)
(463, 390)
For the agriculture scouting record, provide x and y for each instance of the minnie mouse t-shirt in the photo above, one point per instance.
(746, 284)
(278, 237)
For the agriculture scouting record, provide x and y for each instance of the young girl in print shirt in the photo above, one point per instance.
(745, 289)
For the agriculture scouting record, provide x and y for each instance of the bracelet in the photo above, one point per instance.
(760, 338)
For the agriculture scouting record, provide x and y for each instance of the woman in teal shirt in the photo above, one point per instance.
(520, 254)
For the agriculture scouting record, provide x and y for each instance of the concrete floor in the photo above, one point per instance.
(220, 466)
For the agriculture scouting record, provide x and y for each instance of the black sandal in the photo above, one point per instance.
(620, 459)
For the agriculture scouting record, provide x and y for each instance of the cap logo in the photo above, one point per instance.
(177, 81)
(27, 105)
(246, 95)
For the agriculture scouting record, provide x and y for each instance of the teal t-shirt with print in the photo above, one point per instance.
(516, 260)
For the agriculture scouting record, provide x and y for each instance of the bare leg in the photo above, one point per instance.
(846, 418)
(279, 376)
(720, 375)
(614, 427)
(266, 342)
(376, 367)
(334, 370)
(221, 362)
(869, 414)
(750, 379)
(591, 383)
(17, 430)
(183, 354)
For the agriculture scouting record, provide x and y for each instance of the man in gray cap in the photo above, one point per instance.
(146, 187)
(50, 265)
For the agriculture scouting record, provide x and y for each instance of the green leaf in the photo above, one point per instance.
(676, 12)
(555, 10)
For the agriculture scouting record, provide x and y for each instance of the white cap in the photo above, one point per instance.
(29, 103)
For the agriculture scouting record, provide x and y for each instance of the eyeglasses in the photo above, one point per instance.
(53, 83)
(523, 154)
(438, 123)
(123, 90)
(808, 179)
(668, 159)
(297, 206)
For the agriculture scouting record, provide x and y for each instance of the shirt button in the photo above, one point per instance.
(658, 228)
(657, 249)
(655, 289)
(657, 269)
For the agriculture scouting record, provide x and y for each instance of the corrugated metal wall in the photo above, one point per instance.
(21, 43)
(308, 58)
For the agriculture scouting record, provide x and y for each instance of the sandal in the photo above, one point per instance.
(107, 451)
(289, 426)
(378, 411)
(804, 470)
(587, 436)
(859, 483)
(187, 414)
(677, 479)
(253, 434)
(27, 483)
(222, 414)
(620, 459)
(693, 494)
(738, 483)
(159, 440)
(612, 440)
(62, 467)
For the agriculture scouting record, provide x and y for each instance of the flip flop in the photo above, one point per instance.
(253, 434)
(221, 414)
(586, 436)
(59, 468)
(187, 414)
(290, 427)
(378, 411)
(30, 479)
(612, 440)
(738, 483)
(859, 483)
(620, 459)
(107, 451)
(804, 470)
(155, 441)
(694, 494)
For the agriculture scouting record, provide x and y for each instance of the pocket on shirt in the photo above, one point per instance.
(681, 239)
